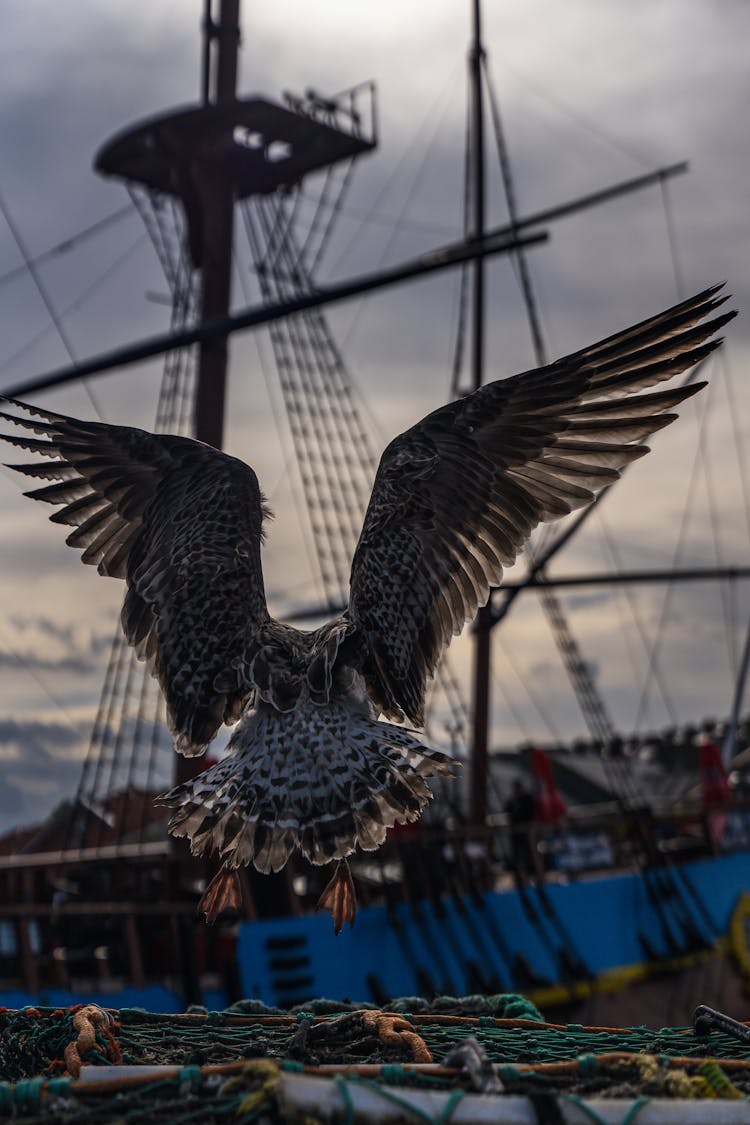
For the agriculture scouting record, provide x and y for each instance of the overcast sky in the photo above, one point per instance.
(591, 92)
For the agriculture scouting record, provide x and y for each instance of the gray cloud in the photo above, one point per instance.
(35, 736)
(40, 663)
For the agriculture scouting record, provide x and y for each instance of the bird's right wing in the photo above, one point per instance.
(181, 523)
(457, 495)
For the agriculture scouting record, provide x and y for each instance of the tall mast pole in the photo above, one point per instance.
(482, 629)
(213, 181)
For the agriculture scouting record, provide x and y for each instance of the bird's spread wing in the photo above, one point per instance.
(457, 495)
(181, 523)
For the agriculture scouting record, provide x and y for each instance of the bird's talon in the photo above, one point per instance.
(340, 897)
(224, 892)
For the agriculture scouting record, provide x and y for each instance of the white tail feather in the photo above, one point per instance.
(322, 778)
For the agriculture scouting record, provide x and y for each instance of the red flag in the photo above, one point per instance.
(550, 803)
(715, 789)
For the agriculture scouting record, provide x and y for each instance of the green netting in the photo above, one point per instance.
(529, 1056)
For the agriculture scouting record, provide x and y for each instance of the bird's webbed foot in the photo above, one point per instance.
(224, 892)
(340, 897)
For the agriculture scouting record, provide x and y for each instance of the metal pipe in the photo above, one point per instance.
(611, 578)
(258, 315)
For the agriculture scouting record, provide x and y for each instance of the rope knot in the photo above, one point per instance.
(87, 1021)
(395, 1031)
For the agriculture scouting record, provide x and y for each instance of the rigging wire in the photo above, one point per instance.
(119, 727)
(317, 216)
(679, 278)
(80, 300)
(101, 732)
(531, 693)
(67, 244)
(44, 294)
(383, 219)
(335, 211)
(589, 700)
(280, 232)
(676, 557)
(519, 257)
(725, 588)
(281, 431)
(463, 282)
(438, 107)
(29, 668)
(630, 597)
(289, 393)
(304, 339)
(292, 366)
(583, 120)
(739, 445)
(742, 470)
(333, 447)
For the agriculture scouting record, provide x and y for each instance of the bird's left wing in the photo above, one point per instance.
(457, 495)
(181, 523)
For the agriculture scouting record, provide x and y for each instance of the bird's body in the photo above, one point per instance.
(310, 765)
(309, 757)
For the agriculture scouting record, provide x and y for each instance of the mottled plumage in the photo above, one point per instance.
(310, 765)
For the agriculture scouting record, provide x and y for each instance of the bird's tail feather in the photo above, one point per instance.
(324, 779)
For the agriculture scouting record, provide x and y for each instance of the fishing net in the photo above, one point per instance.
(247, 1061)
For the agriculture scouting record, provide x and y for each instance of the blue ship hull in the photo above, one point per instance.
(601, 932)
(555, 944)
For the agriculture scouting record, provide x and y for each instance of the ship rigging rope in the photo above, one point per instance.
(282, 229)
(119, 731)
(67, 244)
(334, 212)
(666, 198)
(306, 244)
(666, 604)
(519, 257)
(86, 791)
(121, 716)
(308, 417)
(726, 589)
(531, 693)
(282, 432)
(45, 296)
(582, 120)
(438, 107)
(589, 700)
(91, 290)
(739, 445)
(335, 377)
(324, 414)
(463, 283)
(26, 664)
(592, 706)
(334, 450)
(630, 596)
(102, 731)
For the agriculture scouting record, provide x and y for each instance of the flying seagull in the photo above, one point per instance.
(311, 765)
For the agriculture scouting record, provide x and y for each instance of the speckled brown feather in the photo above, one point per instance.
(457, 495)
(181, 523)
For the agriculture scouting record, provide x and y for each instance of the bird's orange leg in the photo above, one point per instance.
(224, 892)
(340, 897)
